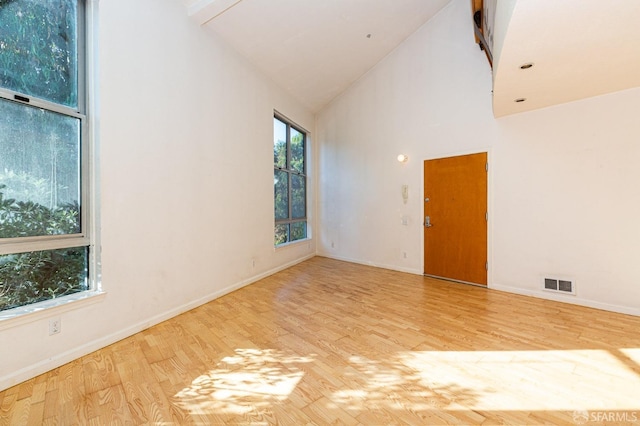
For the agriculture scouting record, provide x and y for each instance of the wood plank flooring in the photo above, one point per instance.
(329, 342)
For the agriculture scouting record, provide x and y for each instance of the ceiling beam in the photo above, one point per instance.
(204, 11)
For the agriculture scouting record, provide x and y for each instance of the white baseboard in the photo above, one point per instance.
(16, 377)
(374, 264)
(628, 310)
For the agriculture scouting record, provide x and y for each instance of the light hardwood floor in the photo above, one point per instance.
(329, 342)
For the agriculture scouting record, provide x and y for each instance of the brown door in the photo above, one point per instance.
(455, 222)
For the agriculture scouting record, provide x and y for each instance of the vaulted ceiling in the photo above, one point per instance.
(315, 49)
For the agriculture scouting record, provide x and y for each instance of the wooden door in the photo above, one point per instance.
(455, 201)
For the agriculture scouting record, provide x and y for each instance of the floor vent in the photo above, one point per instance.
(559, 285)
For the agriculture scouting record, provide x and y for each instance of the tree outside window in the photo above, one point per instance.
(289, 182)
(44, 242)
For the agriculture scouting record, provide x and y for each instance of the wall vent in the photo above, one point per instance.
(550, 284)
(559, 285)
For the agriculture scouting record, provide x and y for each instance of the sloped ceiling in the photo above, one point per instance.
(314, 49)
(578, 48)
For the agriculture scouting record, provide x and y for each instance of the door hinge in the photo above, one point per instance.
(486, 266)
(486, 167)
(486, 216)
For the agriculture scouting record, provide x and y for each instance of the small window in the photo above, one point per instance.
(44, 170)
(289, 181)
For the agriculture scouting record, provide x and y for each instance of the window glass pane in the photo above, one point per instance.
(281, 194)
(298, 231)
(298, 194)
(279, 144)
(41, 275)
(290, 190)
(282, 233)
(297, 151)
(39, 172)
(38, 49)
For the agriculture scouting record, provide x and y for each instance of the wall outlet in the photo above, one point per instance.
(55, 326)
(404, 254)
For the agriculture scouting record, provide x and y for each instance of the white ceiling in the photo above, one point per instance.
(579, 48)
(314, 49)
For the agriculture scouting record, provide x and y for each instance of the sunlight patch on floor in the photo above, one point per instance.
(253, 380)
(633, 354)
(531, 380)
(250, 379)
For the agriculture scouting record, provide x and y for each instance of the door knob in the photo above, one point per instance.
(427, 222)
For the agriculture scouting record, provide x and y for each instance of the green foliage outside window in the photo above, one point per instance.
(290, 183)
(40, 144)
(38, 49)
(31, 277)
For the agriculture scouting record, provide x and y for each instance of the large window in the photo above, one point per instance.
(44, 153)
(289, 181)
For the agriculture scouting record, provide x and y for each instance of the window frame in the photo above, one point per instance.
(86, 25)
(290, 171)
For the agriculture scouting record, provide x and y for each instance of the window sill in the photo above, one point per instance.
(292, 244)
(30, 313)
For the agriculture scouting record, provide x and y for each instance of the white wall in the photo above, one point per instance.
(562, 183)
(186, 128)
